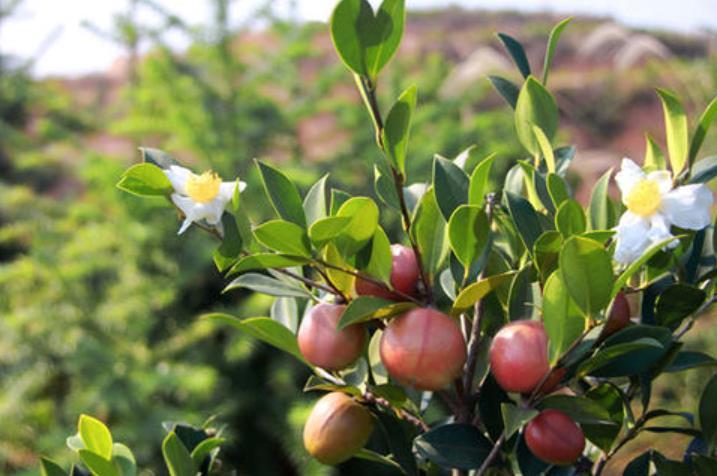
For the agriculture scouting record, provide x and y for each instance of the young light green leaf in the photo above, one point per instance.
(654, 158)
(478, 290)
(315, 201)
(366, 308)
(562, 318)
(479, 182)
(95, 436)
(570, 219)
(586, 270)
(266, 261)
(535, 106)
(601, 212)
(378, 371)
(203, 449)
(545, 148)
(703, 126)
(468, 233)
(450, 184)
(517, 53)
(380, 259)
(283, 194)
(326, 229)
(177, 458)
(557, 189)
(552, 43)
(284, 237)
(675, 130)
(145, 180)
(98, 465)
(429, 232)
(363, 214)
(507, 89)
(397, 129)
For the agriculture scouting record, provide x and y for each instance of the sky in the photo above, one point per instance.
(53, 27)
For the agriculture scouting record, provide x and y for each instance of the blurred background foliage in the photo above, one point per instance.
(99, 299)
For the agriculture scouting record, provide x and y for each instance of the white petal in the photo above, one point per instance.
(226, 189)
(630, 173)
(178, 176)
(213, 211)
(185, 224)
(663, 179)
(631, 238)
(660, 230)
(185, 204)
(688, 206)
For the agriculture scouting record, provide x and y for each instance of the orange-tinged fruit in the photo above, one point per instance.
(519, 356)
(323, 345)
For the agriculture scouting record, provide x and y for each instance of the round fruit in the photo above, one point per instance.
(519, 356)
(404, 276)
(555, 438)
(619, 315)
(337, 428)
(424, 348)
(323, 345)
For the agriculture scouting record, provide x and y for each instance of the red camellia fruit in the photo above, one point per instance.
(404, 276)
(519, 356)
(555, 438)
(323, 345)
(337, 428)
(424, 348)
(619, 315)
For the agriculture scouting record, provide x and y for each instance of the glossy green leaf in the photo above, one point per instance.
(687, 360)
(468, 233)
(378, 371)
(450, 184)
(676, 303)
(708, 414)
(562, 318)
(517, 53)
(520, 295)
(366, 308)
(479, 183)
(263, 328)
(525, 219)
(552, 43)
(586, 269)
(612, 400)
(478, 290)
(284, 237)
(580, 409)
(285, 311)
(654, 158)
(558, 189)
(397, 128)
(386, 188)
(429, 232)
(601, 212)
(546, 150)
(283, 194)
(177, 458)
(514, 417)
(315, 201)
(380, 260)
(703, 126)
(232, 244)
(570, 219)
(326, 229)
(316, 383)
(266, 261)
(535, 107)
(204, 449)
(98, 465)
(95, 436)
(611, 353)
(507, 89)
(267, 285)
(546, 252)
(454, 445)
(675, 130)
(50, 468)
(145, 180)
(704, 170)
(363, 214)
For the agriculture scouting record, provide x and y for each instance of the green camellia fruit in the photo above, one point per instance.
(423, 348)
(337, 428)
(323, 345)
(555, 438)
(519, 356)
(404, 276)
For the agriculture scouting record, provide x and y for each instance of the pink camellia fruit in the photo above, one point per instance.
(404, 276)
(323, 345)
(619, 316)
(555, 438)
(337, 428)
(519, 356)
(423, 348)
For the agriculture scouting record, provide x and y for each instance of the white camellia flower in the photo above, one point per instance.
(200, 197)
(653, 206)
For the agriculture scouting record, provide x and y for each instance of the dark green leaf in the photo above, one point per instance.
(602, 214)
(157, 157)
(552, 43)
(228, 252)
(516, 52)
(676, 303)
(454, 445)
(708, 414)
(525, 219)
(580, 409)
(450, 185)
(365, 308)
(535, 107)
(145, 180)
(380, 258)
(675, 130)
(397, 128)
(520, 295)
(546, 252)
(283, 194)
(587, 273)
(49, 468)
(686, 360)
(613, 352)
(704, 170)
(610, 398)
(267, 285)
(507, 89)
(204, 449)
(637, 264)
(386, 189)
(639, 466)
(179, 461)
(514, 417)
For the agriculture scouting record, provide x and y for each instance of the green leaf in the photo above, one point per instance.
(677, 302)
(675, 130)
(586, 269)
(557, 189)
(520, 294)
(552, 43)
(124, 459)
(468, 233)
(535, 107)
(514, 417)
(563, 321)
(624, 350)
(380, 262)
(429, 232)
(50, 468)
(654, 158)
(267, 285)
(704, 170)
(687, 360)
(456, 445)
(315, 383)
(366, 308)
(378, 371)
(263, 328)
(545, 148)
(477, 291)
(338, 198)
(145, 180)
(95, 436)
(366, 41)
(282, 194)
(266, 261)
(703, 126)
(204, 449)
(177, 458)
(580, 409)
(708, 414)
(98, 465)
(385, 188)
(517, 53)
(228, 252)
(374, 457)
(315, 201)
(157, 157)
(284, 237)
(601, 212)
(570, 219)
(450, 184)
(507, 89)
(479, 182)
(363, 214)
(525, 219)
(610, 398)
(397, 128)
(326, 229)
(637, 264)
(546, 252)
(285, 311)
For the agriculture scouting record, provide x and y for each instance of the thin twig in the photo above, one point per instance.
(331, 284)
(491, 456)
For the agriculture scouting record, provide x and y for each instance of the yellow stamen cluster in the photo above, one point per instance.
(644, 199)
(203, 188)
